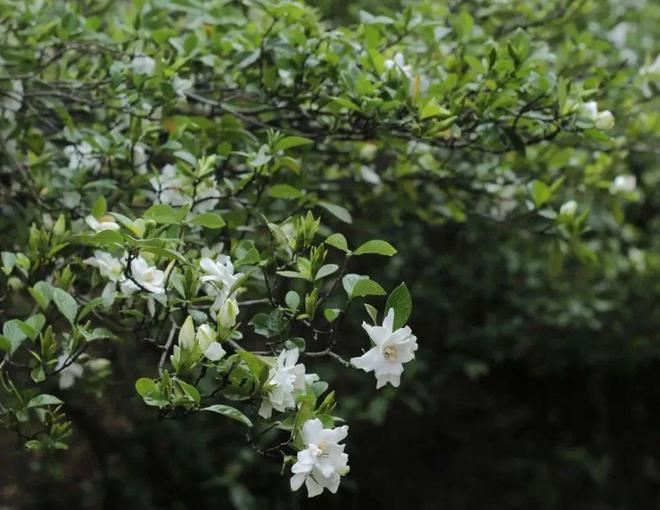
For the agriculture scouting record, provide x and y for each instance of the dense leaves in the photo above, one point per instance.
(194, 191)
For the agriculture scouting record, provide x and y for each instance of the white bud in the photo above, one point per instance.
(569, 208)
(624, 184)
(205, 337)
(187, 334)
(604, 120)
(227, 314)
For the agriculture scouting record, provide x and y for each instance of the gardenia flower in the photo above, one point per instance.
(569, 208)
(148, 277)
(205, 339)
(652, 68)
(68, 374)
(221, 278)
(169, 187)
(391, 350)
(623, 184)
(207, 196)
(140, 159)
(284, 380)
(106, 222)
(398, 62)
(602, 119)
(81, 156)
(143, 65)
(181, 86)
(323, 462)
(109, 266)
(113, 269)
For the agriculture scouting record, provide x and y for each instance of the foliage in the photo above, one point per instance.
(194, 191)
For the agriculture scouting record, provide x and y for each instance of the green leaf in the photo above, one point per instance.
(106, 237)
(161, 213)
(32, 326)
(326, 270)
(99, 207)
(373, 313)
(433, 109)
(41, 299)
(331, 314)
(13, 336)
(145, 386)
(229, 412)
(337, 241)
(357, 285)
(65, 304)
(8, 262)
(291, 141)
(190, 391)
(44, 400)
(292, 300)
(367, 287)
(541, 193)
(401, 301)
(284, 191)
(376, 247)
(337, 211)
(209, 220)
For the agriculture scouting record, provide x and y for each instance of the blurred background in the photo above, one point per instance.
(532, 388)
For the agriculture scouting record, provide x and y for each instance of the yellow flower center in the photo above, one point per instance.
(148, 277)
(389, 353)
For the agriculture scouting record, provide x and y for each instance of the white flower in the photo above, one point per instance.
(12, 99)
(207, 196)
(398, 62)
(569, 208)
(652, 69)
(221, 278)
(182, 85)
(109, 266)
(204, 339)
(284, 380)
(149, 277)
(143, 65)
(602, 119)
(623, 184)
(211, 349)
(140, 159)
(226, 316)
(323, 462)
(391, 350)
(68, 373)
(82, 156)
(106, 222)
(169, 187)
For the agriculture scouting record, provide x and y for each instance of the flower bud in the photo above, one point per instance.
(227, 314)
(187, 334)
(205, 337)
(568, 209)
(604, 120)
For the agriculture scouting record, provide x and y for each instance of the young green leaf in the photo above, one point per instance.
(209, 220)
(65, 304)
(401, 302)
(376, 247)
(229, 412)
